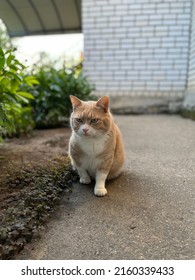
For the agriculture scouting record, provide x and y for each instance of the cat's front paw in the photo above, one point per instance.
(100, 192)
(85, 180)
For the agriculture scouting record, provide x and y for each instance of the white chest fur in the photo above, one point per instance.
(92, 148)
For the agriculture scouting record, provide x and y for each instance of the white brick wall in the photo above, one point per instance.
(191, 77)
(137, 46)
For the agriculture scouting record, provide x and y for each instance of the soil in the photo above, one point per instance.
(38, 150)
(34, 173)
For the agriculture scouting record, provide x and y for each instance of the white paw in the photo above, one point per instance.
(100, 192)
(85, 180)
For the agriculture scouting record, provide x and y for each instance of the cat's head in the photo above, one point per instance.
(90, 118)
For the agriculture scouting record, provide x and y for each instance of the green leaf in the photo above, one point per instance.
(16, 62)
(14, 85)
(4, 83)
(13, 75)
(25, 100)
(31, 80)
(2, 58)
(13, 67)
(10, 58)
(8, 51)
(25, 94)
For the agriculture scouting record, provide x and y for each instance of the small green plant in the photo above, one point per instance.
(13, 102)
(51, 102)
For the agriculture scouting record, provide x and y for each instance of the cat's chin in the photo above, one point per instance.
(85, 135)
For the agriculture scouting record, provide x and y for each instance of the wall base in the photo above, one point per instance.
(188, 106)
(145, 105)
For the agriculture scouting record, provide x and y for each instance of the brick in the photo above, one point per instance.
(160, 51)
(133, 73)
(102, 24)
(156, 22)
(127, 1)
(133, 12)
(169, 39)
(87, 3)
(132, 57)
(173, 77)
(184, 16)
(159, 78)
(122, 7)
(154, 45)
(108, 8)
(145, 77)
(182, 44)
(177, 5)
(163, 5)
(141, 40)
(156, 17)
(162, 33)
(148, 6)
(138, 87)
(148, 29)
(175, 33)
(121, 12)
(119, 35)
(170, 22)
(120, 78)
(175, 28)
(153, 67)
(113, 18)
(169, 16)
(141, 23)
(146, 72)
(163, 11)
(135, 6)
(138, 66)
(120, 52)
(101, 19)
(166, 67)
(108, 30)
(101, 3)
(133, 52)
(114, 2)
(121, 30)
(148, 11)
(140, 45)
(154, 39)
(146, 34)
(165, 88)
(176, 11)
(188, 4)
(161, 28)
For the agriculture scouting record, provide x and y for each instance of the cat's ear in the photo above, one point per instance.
(103, 103)
(75, 101)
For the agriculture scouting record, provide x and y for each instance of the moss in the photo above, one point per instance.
(39, 192)
(188, 114)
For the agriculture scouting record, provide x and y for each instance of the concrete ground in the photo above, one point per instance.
(148, 212)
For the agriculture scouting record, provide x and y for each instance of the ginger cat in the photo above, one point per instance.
(96, 147)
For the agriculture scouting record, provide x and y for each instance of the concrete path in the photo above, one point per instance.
(148, 212)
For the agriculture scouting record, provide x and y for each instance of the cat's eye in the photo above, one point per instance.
(94, 120)
(79, 120)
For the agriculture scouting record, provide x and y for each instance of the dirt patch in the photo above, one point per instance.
(34, 173)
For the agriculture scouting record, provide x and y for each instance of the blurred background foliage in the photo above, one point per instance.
(14, 103)
(51, 104)
(36, 96)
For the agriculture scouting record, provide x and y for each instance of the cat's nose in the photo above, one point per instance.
(85, 129)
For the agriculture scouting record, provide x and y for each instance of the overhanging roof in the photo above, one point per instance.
(38, 17)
